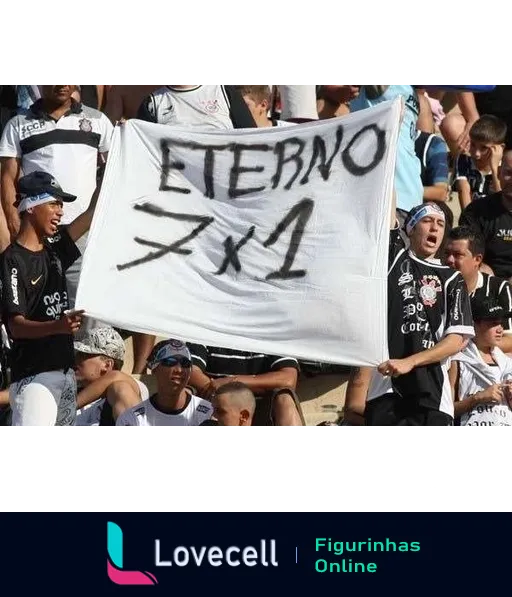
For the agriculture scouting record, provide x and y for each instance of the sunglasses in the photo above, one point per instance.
(173, 361)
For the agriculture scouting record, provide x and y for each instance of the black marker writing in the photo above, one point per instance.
(293, 151)
(237, 170)
(232, 252)
(319, 151)
(380, 151)
(282, 159)
(167, 166)
(301, 212)
(175, 247)
(208, 167)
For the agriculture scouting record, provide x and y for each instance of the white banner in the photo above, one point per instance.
(270, 240)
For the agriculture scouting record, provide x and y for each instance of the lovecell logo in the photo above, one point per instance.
(115, 570)
(249, 556)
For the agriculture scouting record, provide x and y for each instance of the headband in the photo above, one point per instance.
(168, 350)
(418, 213)
(36, 200)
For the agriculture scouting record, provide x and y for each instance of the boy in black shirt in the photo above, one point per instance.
(477, 175)
(429, 316)
(35, 304)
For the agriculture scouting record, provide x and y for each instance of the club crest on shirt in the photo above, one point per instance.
(85, 125)
(430, 288)
(211, 106)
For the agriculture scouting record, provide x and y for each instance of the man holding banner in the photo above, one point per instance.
(271, 242)
(429, 319)
(206, 106)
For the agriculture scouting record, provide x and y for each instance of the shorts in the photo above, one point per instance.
(47, 399)
(392, 410)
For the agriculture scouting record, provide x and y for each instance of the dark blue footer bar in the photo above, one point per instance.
(256, 554)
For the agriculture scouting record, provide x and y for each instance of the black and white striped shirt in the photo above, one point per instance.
(223, 362)
(67, 148)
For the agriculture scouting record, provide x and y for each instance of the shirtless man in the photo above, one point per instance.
(105, 391)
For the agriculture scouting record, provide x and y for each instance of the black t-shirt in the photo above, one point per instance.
(480, 184)
(224, 362)
(426, 302)
(34, 285)
(494, 222)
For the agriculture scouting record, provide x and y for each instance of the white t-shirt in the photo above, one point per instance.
(204, 106)
(90, 415)
(67, 148)
(475, 376)
(195, 412)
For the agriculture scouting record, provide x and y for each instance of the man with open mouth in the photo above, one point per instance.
(36, 304)
(429, 320)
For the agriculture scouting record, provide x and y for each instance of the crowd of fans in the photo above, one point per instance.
(449, 294)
